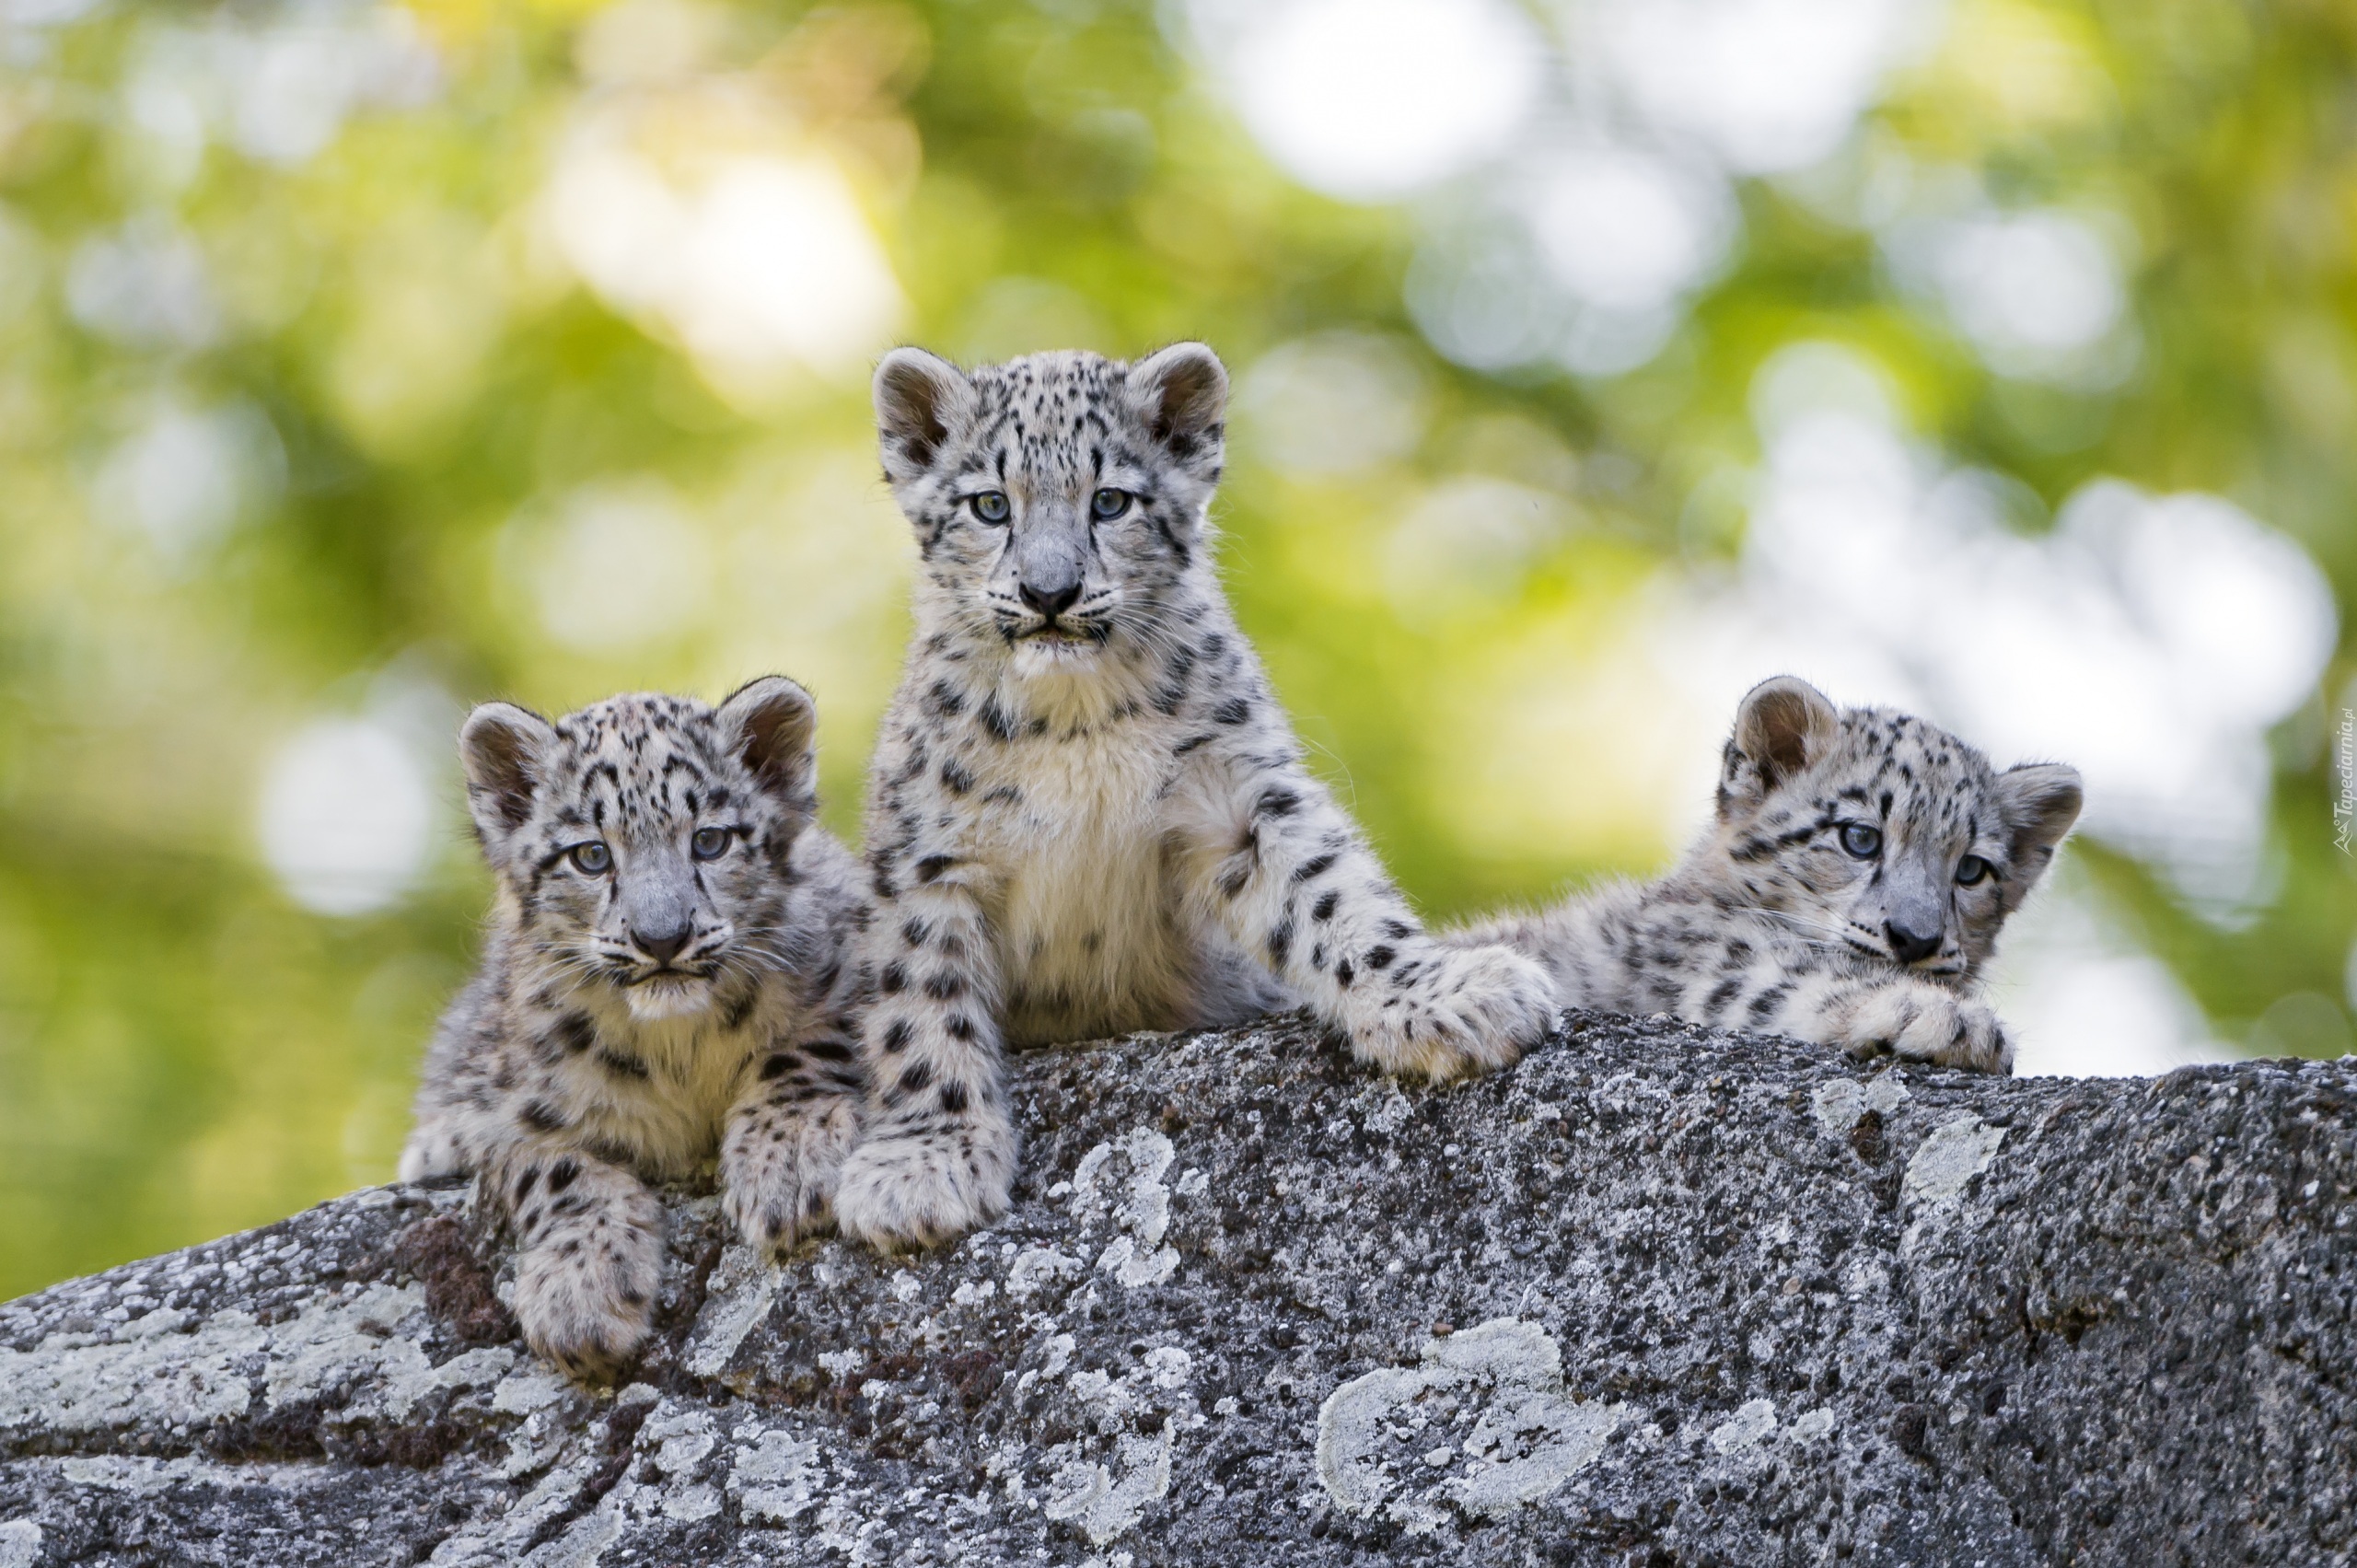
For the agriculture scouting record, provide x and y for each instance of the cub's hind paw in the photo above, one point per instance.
(1450, 1011)
(905, 1190)
(430, 1155)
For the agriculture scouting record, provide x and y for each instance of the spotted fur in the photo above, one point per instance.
(1776, 921)
(1087, 813)
(691, 997)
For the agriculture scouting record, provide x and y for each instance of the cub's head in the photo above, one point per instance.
(1059, 498)
(645, 838)
(1879, 832)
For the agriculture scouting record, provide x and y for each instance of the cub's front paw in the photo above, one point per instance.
(901, 1191)
(778, 1173)
(588, 1311)
(1923, 1023)
(1449, 1012)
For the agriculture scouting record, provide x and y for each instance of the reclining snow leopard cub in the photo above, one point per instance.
(1849, 892)
(669, 977)
(1087, 813)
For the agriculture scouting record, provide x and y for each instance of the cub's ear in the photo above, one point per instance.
(1182, 394)
(1782, 725)
(921, 400)
(2040, 800)
(504, 749)
(771, 726)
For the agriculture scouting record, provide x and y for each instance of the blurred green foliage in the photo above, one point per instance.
(185, 1048)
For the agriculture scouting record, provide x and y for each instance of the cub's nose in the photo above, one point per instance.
(1908, 946)
(1052, 601)
(662, 946)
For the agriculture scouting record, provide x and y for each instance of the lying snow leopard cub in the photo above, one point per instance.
(1087, 813)
(1849, 893)
(668, 976)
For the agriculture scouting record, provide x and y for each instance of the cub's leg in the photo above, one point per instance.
(589, 1258)
(794, 1122)
(1273, 861)
(939, 1154)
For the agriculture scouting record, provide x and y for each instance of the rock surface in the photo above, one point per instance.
(1656, 1296)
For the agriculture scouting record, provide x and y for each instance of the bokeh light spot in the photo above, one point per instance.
(1371, 99)
(619, 566)
(1335, 403)
(346, 817)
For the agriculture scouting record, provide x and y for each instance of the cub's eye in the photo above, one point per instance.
(1970, 869)
(1862, 840)
(592, 859)
(989, 505)
(1108, 504)
(710, 844)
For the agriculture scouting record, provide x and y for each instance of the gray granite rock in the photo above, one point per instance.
(1656, 1296)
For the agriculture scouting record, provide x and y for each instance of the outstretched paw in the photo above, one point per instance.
(778, 1172)
(904, 1190)
(1448, 1012)
(1923, 1023)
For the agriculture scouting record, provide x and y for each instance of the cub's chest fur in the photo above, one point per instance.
(660, 1090)
(1084, 913)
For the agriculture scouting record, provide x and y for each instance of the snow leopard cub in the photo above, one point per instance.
(1852, 888)
(669, 977)
(1087, 813)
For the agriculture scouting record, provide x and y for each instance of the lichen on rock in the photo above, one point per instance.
(1505, 1380)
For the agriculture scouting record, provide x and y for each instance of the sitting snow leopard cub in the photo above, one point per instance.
(1849, 893)
(669, 975)
(1088, 814)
